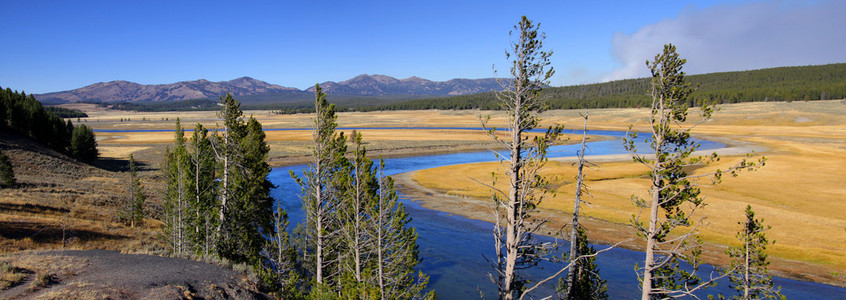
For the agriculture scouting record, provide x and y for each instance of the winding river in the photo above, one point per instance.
(453, 247)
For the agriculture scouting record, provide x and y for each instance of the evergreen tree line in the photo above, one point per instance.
(66, 113)
(217, 198)
(355, 242)
(23, 114)
(822, 82)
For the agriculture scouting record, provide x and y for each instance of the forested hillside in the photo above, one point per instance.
(24, 115)
(776, 84)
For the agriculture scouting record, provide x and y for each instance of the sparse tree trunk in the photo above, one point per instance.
(654, 204)
(574, 227)
(319, 239)
(746, 281)
(224, 195)
(380, 235)
(512, 211)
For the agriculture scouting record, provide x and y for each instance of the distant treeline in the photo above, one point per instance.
(776, 84)
(22, 114)
(62, 112)
(184, 105)
(344, 103)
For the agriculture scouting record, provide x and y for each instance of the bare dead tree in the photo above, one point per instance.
(574, 226)
(583, 280)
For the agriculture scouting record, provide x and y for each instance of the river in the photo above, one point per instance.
(452, 247)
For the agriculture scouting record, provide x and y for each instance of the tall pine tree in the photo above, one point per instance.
(674, 194)
(134, 208)
(321, 195)
(516, 249)
(204, 203)
(246, 208)
(395, 251)
(178, 209)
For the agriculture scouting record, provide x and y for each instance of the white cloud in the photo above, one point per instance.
(739, 37)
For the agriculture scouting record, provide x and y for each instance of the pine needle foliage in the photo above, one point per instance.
(749, 261)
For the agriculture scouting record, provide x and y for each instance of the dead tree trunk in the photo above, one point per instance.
(574, 226)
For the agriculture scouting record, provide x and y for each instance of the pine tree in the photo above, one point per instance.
(515, 246)
(226, 150)
(249, 214)
(83, 144)
(281, 260)
(203, 177)
(675, 195)
(246, 208)
(379, 249)
(7, 174)
(749, 261)
(135, 205)
(586, 282)
(321, 195)
(395, 247)
(359, 188)
(670, 185)
(178, 209)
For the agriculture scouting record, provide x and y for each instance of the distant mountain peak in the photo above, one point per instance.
(361, 85)
(377, 85)
(120, 91)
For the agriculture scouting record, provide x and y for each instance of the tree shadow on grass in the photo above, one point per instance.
(112, 164)
(120, 165)
(51, 233)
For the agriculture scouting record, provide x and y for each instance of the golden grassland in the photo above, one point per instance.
(293, 146)
(63, 204)
(801, 192)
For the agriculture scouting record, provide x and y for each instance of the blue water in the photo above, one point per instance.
(452, 247)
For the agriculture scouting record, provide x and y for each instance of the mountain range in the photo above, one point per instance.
(363, 85)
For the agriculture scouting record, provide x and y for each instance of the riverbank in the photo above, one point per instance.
(799, 192)
(605, 232)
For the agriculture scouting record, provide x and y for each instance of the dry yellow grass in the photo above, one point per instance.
(286, 144)
(799, 193)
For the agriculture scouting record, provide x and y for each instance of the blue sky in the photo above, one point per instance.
(60, 45)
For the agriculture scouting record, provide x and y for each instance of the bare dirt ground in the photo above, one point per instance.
(105, 274)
